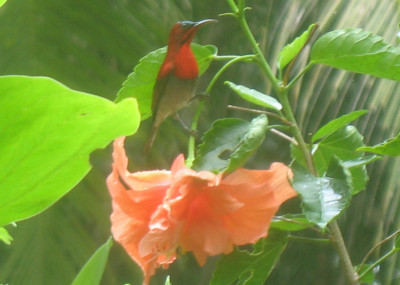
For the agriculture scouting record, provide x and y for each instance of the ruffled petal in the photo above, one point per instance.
(135, 197)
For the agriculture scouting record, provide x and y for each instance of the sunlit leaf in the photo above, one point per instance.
(2, 2)
(291, 50)
(337, 124)
(92, 272)
(389, 147)
(251, 267)
(324, 198)
(255, 96)
(168, 280)
(141, 81)
(290, 223)
(358, 51)
(47, 132)
(5, 236)
(229, 143)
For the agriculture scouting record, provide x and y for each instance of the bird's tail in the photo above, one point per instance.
(150, 139)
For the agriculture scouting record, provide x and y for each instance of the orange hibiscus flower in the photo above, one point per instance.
(155, 212)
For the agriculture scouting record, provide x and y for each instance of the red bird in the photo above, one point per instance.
(176, 81)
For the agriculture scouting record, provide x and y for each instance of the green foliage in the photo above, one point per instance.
(388, 147)
(358, 51)
(251, 267)
(291, 222)
(255, 96)
(324, 198)
(168, 280)
(337, 124)
(141, 81)
(2, 2)
(369, 277)
(47, 134)
(342, 144)
(5, 236)
(92, 271)
(291, 50)
(229, 143)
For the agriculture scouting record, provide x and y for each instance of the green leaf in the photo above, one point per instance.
(2, 2)
(290, 223)
(5, 236)
(368, 278)
(291, 50)
(324, 198)
(47, 132)
(388, 147)
(397, 242)
(140, 83)
(255, 96)
(343, 144)
(251, 267)
(168, 280)
(337, 124)
(92, 271)
(229, 143)
(358, 51)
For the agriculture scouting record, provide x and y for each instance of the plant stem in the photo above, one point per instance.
(376, 263)
(338, 243)
(336, 237)
(374, 248)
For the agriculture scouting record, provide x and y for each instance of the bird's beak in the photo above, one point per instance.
(202, 22)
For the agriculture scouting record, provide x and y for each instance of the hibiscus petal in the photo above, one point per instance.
(135, 197)
(261, 201)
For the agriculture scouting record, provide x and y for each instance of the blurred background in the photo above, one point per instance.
(92, 46)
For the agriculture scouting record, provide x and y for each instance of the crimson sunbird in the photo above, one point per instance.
(176, 80)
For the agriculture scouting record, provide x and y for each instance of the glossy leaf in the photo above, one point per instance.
(229, 143)
(343, 144)
(358, 51)
(2, 2)
(251, 267)
(92, 272)
(291, 50)
(255, 96)
(47, 132)
(5, 236)
(141, 81)
(290, 223)
(324, 198)
(337, 124)
(389, 147)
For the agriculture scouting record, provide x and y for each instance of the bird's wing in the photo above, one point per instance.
(158, 92)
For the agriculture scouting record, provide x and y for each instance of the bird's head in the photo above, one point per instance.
(184, 31)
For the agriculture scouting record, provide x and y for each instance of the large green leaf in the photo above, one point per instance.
(358, 51)
(141, 81)
(251, 267)
(291, 50)
(47, 132)
(324, 198)
(229, 143)
(388, 147)
(92, 272)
